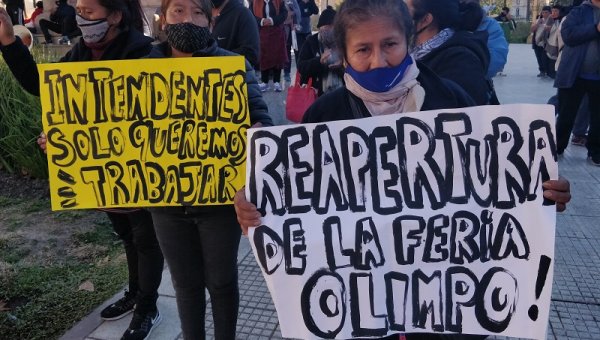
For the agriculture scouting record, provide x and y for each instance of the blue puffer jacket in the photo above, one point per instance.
(578, 29)
(259, 112)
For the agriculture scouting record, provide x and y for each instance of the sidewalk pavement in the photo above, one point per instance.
(575, 307)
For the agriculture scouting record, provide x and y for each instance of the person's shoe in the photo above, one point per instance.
(64, 41)
(594, 160)
(541, 74)
(286, 77)
(119, 309)
(277, 87)
(142, 325)
(500, 74)
(263, 87)
(579, 140)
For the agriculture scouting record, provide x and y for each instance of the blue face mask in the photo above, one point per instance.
(380, 79)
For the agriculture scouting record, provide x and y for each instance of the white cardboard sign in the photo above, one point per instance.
(423, 222)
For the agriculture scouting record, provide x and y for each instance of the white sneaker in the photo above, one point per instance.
(263, 87)
(277, 87)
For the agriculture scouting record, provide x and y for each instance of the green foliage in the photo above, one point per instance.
(520, 34)
(20, 124)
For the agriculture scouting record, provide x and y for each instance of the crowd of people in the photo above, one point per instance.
(368, 58)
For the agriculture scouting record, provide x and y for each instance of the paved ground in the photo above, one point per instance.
(575, 308)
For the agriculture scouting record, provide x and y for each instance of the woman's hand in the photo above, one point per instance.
(247, 214)
(325, 56)
(7, 34)
(42, 141)
(559, 191)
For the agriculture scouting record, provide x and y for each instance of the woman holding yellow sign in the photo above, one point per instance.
(200, 244)
(112, 30)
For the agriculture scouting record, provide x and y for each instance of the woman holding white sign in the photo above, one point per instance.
(382, 78)
(112, 30)
(200, 243)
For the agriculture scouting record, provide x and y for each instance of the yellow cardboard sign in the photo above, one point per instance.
(140, 133)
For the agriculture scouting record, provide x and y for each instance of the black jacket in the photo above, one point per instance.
(235, 30)
(259, 111)
(62, 12)
(439, 94)
(464, 59)
(130, 44)
(309, 64)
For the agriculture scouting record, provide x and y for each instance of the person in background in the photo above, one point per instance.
(497, 47)
(578, 75)
(290, 24)
(62, 20)
(444, 41)
(30, 22)
(319, 58)
(235, 30)
(506, 17)
(16, 10)
(540, 29)
(112, 30)
(200, 243)
(270, 15)
(308, 8)
(551, 47)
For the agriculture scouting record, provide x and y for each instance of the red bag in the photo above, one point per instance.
(299, 99)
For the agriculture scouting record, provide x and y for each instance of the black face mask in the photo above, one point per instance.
(187, 37)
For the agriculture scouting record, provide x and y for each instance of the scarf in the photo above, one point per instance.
(258, 7)
(436, 41)
(406, 96)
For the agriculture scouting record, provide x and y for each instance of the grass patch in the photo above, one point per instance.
(7, 202)
(45, 301)
(37, 206)
(68, 215)
(100, 235)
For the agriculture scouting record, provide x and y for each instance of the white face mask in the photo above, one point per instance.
(92, 31)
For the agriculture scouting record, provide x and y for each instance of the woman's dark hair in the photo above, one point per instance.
(132, 15)
(449, 13)
(205, 5)
(355, 12)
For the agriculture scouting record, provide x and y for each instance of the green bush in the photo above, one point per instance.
(519, 34)
(20, 124)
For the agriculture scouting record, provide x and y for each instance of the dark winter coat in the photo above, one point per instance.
(439, 94)
(235, 30)
(309, 64)
(578, 29)
(62, 12)
(129, 44)
(464, 59)
(259, 112)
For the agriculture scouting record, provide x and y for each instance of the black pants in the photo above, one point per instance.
(568, 104)
(542, 59)
(201, 250)
(144, 258)
(276, 72)
(68, 27)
